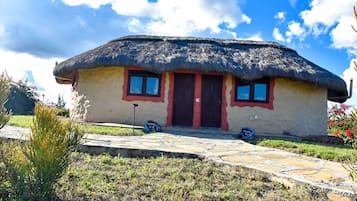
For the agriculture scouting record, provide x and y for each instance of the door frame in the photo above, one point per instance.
(197, 97)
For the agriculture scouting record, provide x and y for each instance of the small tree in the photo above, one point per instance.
(35, 167)
(4, 93)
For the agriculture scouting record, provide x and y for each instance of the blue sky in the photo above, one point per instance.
(34, 34)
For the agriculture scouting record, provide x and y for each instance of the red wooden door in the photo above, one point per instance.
(184, 87)
(211, 101)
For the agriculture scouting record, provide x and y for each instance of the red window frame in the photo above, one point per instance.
(144, 75)
(251, 84)
(138, 97)
(253, 103)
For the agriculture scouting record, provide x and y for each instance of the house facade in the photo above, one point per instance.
(203, 83)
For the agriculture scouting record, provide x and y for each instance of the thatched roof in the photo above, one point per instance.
(244, 59)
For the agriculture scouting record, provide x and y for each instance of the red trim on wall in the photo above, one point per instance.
(224, 120)
(142, 98)
(170, 99)
(269, 105)
(197, 105)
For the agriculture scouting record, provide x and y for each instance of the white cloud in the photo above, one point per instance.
(334, 16)
(295, 30)
(176, 17)
(280, 16)
(343, 35)
(134, 25)
(246, 19)
(347, 75)
(326, 12)
(255, 37)
(90, 3)
(18, 65)
(183, 17)
(277, 35)
(138, 8)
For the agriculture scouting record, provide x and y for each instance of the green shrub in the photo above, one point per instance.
(4, 118)
(17, 169)
(4, 93)
(342, 123)
(3, 180)
(35, 167)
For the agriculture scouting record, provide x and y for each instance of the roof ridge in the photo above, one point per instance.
(192, 39)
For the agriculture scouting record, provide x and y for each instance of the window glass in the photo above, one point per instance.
(260, 92)
(136, 84)
(252, 91)
(152, 86)
(243, 92)
(143, 83)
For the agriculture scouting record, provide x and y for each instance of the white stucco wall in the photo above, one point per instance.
(103, 87)
(299, 109)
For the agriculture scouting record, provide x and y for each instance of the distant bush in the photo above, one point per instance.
(33, 168)
(22, 98)
(60, 102)
(63, 112)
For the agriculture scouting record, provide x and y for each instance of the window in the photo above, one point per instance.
(252, 91)
(143, 83)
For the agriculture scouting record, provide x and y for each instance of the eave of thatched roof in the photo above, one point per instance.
(244, 59)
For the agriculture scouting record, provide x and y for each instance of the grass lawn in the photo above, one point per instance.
(25, 121)
(115, 178)
(340, 153)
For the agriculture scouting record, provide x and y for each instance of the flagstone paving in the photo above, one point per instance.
(223, 148)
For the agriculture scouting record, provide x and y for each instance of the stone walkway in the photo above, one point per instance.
(223, 148)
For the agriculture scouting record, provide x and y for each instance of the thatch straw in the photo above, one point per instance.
(244, 59)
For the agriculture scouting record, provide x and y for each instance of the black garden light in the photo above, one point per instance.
(135, 105)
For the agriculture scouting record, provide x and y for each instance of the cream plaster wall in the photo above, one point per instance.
(103, 87)
(299, 109)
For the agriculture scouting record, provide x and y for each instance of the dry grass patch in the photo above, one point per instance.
(114, 178)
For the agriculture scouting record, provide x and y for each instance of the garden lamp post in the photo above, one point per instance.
(134, 105)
